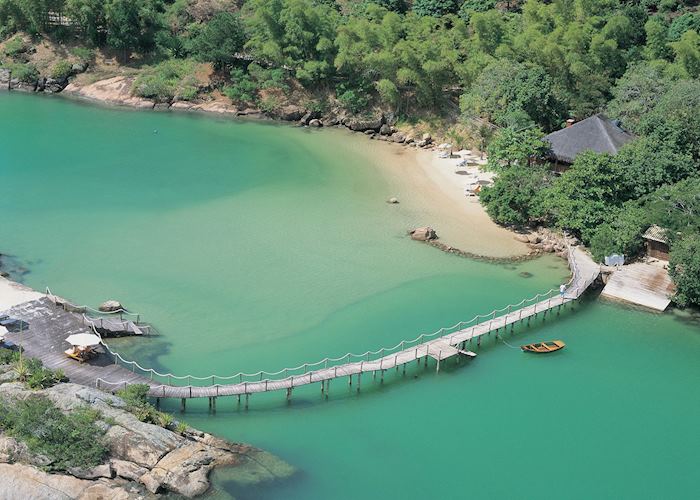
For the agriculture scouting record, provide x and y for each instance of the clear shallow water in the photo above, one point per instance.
(254, 246)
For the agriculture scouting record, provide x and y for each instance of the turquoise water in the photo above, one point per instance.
(253, 246)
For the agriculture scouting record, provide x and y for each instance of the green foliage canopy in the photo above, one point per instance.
(684, 268)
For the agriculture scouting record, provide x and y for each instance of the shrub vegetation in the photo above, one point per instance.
(72, 440)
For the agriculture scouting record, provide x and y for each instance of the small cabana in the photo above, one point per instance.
(656, 243)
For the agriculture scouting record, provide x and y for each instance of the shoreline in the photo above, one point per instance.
(413, 174)
(462, 224)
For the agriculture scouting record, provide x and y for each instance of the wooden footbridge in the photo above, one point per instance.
(118, 372)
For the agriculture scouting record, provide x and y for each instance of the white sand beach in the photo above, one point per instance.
(12, 294)
(431, 191)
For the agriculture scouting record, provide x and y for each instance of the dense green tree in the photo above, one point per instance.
(515, 197)
(132, 24)
(505, 88)
(674, 119)
(622, 234)
(648, 164)
(684, 268)
(687, 54)
(676, 207)
(583, 44)
(27, 15)
(296, 34)
(220, 40)
(657, 39)
(435, 8)
(516, 147)
(582, 198)
(637, 93)
(681, 24)
(393, 5)
(469, 7)
(417, 54)
(388, 93)
(489, 30)
(89, 15)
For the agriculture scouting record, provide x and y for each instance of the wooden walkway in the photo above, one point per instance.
(47, 331)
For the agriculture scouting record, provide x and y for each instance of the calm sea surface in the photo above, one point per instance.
(254, 246)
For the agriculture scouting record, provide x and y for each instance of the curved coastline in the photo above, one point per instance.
(412, 174)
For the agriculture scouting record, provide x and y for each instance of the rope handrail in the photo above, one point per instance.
(348, 357)
(88, 308)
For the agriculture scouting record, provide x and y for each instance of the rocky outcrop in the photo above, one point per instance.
(5, 77)
(423, 234)
(142, 457)
(54, 86)
(290, 113)
(21, 481)
(386, 130)
(365, 124)
(546, 240)
(116, 90)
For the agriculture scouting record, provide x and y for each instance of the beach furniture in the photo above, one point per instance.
(8, 322)
(543, 347)
(80, 353)
(82, 346)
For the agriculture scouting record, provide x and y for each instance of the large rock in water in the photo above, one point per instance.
(111, 306)
(423, 234)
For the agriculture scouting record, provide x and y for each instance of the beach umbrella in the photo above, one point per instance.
(83, 339)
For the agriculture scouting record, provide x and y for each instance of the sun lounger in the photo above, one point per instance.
(80, 354)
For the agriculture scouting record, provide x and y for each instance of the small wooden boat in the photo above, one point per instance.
(544, 347)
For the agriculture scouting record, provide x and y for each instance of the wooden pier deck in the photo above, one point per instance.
(44, 338)
(642, 284)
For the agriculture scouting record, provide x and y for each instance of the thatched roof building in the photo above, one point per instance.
(596, 133)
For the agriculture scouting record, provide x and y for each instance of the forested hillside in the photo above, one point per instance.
(498, 73)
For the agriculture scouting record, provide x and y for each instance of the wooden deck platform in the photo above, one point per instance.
(642, 284)
(47, 327)
(50, 324)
